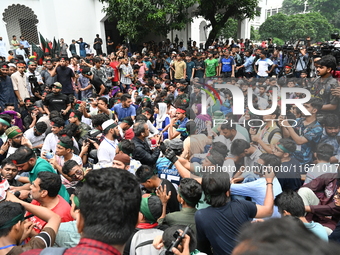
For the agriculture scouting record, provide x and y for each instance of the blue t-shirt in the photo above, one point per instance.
(181, 127)
(312, 133)
(124, 112)
(190, 66)
(227, 64)
(167, 170)
(221, 225)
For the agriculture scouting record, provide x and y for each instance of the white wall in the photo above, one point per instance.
(68, 19)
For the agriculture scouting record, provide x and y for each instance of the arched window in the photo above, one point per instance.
(21, 20)
(203, 32)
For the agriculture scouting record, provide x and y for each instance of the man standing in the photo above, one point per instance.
(48, 75)
(124, 109)
(262, 66)
(82, 47)
(97, 45)
(211, 66)
(3, 48)
(34, 79)
(21, 52)
(26, 161)
(25, 44)
(227, 65)
(107, 148)
(63, 48)
(179, 67)
(15, 44)
(73, 48)
(190, 69)
(7, 94)
(65, 76)
(19, 83)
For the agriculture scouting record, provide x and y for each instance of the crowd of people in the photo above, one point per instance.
(118, 152)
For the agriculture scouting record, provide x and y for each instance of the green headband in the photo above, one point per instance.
(212, 160)
(145, 210)
(76, 201)
(180, 193)
(154, 172)
(13, 221)
(2, 121)
(283, 148)
(64, 145)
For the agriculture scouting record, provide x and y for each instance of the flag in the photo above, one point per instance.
(54, 48)
(49, 47)
(43, 43)
(58, 48)
(38, 53)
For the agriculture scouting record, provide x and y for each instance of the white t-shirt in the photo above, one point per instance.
(107, 151)
(35, 140)
(263, 65)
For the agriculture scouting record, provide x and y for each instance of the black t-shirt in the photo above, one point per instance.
(96, 82)
(56, 102)
(289, 175)
(173, 205)
(64, 75)
(220, 226)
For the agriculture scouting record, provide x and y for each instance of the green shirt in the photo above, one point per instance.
(186, 216)
(210, 67)
(42, 165)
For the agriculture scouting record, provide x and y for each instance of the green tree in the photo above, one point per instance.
(254, 34)
(291, 7)
(292, 28)
(218, 12)
(275, 26)
(229, 30)
(137, 18)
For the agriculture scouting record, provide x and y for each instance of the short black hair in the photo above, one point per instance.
(50, 182)
(331, 120)
(104, 99)
(271, 160)
(9, 210)
(238, 146)
(228, 126)
(144, 173)
(59, 121)
(141, 118)
(289, 144)
(97, 60)
(125, 97)
(215, 187)
(68, 165)
(7, 161)
(316, 102)
(99, 119)
(291, 202)
(220, 148)
(191, 127)
(324, 151)
(126, 146)
(41, 126)
(328, 61)
(67, 141)
(115, 192)
(190, 190)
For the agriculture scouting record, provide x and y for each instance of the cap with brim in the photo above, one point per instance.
(57, 85)
(13, 131)
(175, 144)
(108, 124)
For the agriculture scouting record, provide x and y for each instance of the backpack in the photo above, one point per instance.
(141, 242)
(272, 133)
(53, 251)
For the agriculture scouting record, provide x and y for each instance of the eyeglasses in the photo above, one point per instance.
(77, 173)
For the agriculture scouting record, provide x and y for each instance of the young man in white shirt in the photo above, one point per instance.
(262, 65)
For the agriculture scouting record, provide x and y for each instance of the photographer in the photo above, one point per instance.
(34, 79)
(301, 61)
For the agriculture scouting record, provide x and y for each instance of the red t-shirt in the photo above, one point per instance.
(62, 209)
(116, 71)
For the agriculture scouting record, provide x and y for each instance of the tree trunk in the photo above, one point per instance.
(211, 37)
